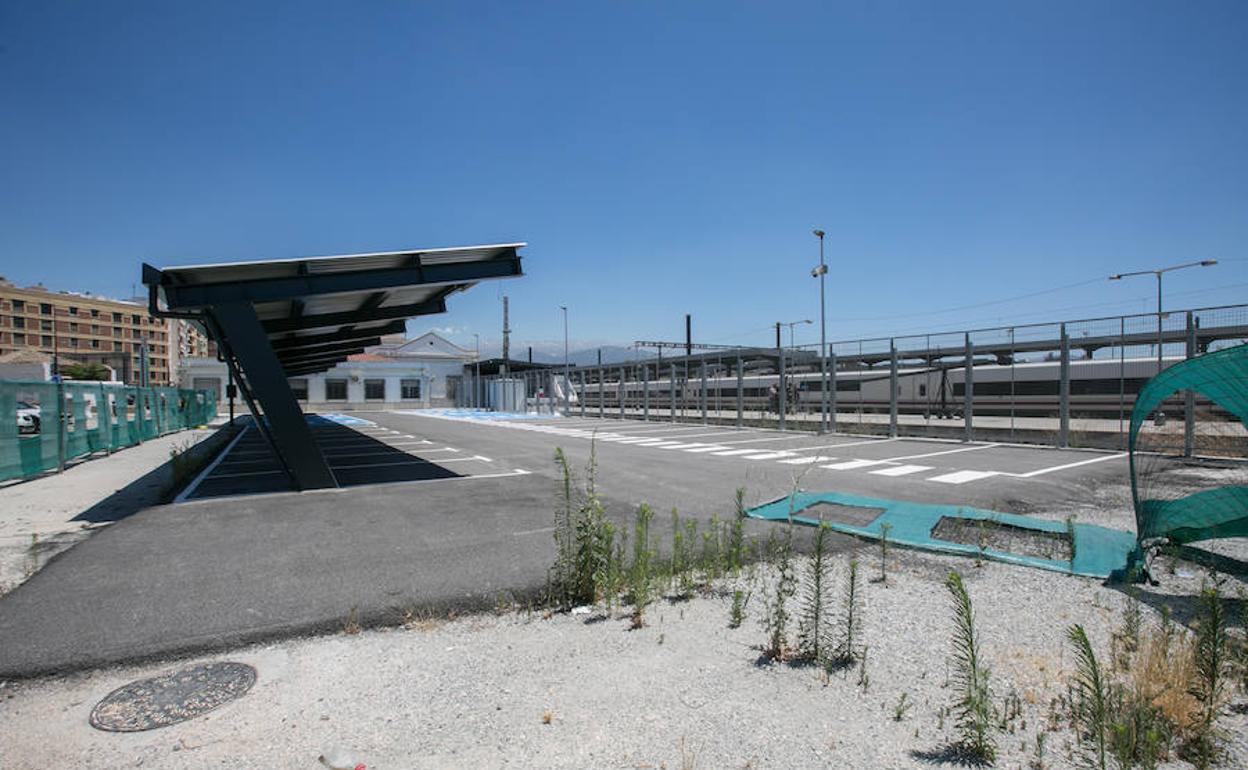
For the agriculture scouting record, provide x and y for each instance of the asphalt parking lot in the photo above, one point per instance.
(234, 564)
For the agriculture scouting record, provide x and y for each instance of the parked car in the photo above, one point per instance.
(27, 418)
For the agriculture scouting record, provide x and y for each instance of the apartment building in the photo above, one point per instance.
(86, 328)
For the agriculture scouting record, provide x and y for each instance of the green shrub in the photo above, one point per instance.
(971, 677)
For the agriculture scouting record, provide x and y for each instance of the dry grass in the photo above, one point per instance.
(351, 625)
(1163, 672)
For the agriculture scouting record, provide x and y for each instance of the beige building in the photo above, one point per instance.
(86, 328)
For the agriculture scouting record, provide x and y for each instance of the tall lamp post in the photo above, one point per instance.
(820, 272)
(1159, 273)
(791, 324)
(567, 380)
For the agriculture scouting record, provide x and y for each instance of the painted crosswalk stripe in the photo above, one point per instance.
(768, 455)
(710, 448)
(902, 470)
(807, 460)
(850, 465)
(734, 452)
(961, 477)
(684, 446)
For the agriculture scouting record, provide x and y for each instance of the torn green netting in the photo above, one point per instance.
(1189, 483)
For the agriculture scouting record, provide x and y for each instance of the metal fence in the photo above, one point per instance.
(43, 425)
(1069, 383)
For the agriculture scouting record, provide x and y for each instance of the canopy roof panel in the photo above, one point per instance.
(318, 310)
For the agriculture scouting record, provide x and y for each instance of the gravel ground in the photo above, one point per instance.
(522, 690)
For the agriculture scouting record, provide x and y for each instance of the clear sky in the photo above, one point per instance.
(659, 158)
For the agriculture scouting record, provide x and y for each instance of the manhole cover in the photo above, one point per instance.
(172, 698)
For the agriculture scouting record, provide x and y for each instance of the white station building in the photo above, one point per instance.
(399, 373)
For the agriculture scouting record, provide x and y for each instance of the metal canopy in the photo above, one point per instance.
(280, 318)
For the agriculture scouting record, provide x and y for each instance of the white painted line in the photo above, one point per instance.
(735, 452)
(808, 460)
(839, 446)
(768, 456)
(650, 442)
(901, 470)
(946, 452)
(715, 433)
(692, 445)
(442, 449)
(961, 477)
(707, 448)
(1043, 471)
(250, 473)
(190, 488)
(664, 444)
(850, 465)
(773, 438)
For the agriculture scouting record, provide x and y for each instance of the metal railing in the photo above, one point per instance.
(1070, 383)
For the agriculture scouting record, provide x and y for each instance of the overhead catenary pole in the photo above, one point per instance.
(567, 380)
(506, 354)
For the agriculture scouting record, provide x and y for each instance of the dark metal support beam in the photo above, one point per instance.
(332, 320)
(309, 340)
(347, 346)
(277, 289)
(267, 381)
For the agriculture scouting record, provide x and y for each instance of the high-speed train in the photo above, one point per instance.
(1097, 388)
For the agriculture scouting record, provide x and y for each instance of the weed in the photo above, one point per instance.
(885, 528)
(1210, 660)
(548, 716)
(640, 579)
(813, 626)
(351, 625)
(971, 678)
(740, 600)
(32, 555)
(1127, 639)
(850, 631)
(864, 679)
(736, 535)
(1037, 759)
(1091, 711)
(583, 539)
(776, 619)
(688, 757)
(1070, 533)
(902, 708)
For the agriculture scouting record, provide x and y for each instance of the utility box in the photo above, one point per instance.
(505, 395)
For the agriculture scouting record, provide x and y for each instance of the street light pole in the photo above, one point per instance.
(821, 272)
(791, 325)
(1159, 273)
(476, 377)
(567, 380)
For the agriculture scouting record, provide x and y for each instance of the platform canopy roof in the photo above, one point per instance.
(316, 311)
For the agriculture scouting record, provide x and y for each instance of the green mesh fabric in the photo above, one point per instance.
(93, 417)
(1164, 510)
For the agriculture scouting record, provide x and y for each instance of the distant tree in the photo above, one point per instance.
(88, 371)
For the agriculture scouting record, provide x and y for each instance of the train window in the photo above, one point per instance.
(922, 389)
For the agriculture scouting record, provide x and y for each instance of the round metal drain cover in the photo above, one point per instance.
(172, 698)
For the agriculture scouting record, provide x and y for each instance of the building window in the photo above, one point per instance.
(73, 310)
(95, 313)
(335, 390)
(45, 326)
(19, 322)
(137, 334)
(95, 344)
(19, 339)
(95, 328)
(410, 390)
(19, 305)
(374, 390)
(116, 331)
(73, 342)
(300, 389)
(47, 341)
(45, 308)
(73, 327)
(134, 319)
(116, 346)
(116, 318)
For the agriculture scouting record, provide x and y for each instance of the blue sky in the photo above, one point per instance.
(659, 158)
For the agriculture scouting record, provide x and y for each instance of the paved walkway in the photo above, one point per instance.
(55, 511)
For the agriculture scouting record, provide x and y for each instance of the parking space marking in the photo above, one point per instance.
(808, 460)
(945, 452)
(901, 470)
(707, 448)
(842, 445)
(1042, 471)
(771, 438)
(850, 465)
(961, 477)
(768, 456)
(735, 452)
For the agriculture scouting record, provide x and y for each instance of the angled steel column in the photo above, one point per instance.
(291, 435)
(1063, 392)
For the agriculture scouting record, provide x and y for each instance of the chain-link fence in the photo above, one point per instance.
(1063, 384)
(43, 425)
